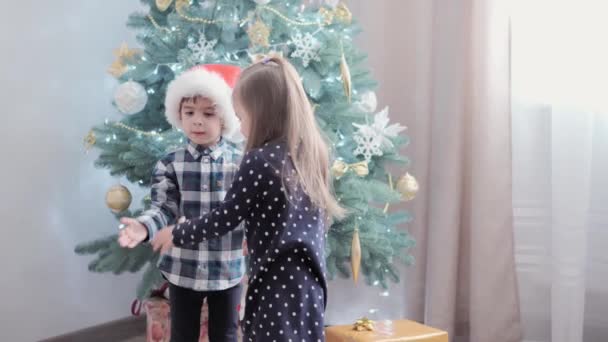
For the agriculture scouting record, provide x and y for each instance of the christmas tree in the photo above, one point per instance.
(318, 40)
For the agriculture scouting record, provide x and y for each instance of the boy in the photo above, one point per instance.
(188, 183)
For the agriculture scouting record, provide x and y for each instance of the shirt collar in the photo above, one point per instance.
(214, 151)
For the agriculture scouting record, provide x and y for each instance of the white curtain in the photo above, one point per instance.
(445, 74)
(560, 163)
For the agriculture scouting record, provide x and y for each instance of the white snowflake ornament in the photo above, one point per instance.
(367, 146)
(307, 48)
(371, 139)
(202, 48)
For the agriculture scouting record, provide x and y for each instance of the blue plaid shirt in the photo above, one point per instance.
(189, 183)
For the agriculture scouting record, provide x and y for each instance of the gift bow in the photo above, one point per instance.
(340, 168)
(364, 324)
(162, 5)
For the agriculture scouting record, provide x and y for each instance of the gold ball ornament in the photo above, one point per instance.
(118, 198)
(407, 186)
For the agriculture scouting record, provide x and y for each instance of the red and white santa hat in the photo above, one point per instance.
(213, 81)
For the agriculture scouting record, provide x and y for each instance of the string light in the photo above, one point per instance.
(158, 27)
(132, 129)
(241, 22)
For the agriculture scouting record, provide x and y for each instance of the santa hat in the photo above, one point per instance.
(213, 81)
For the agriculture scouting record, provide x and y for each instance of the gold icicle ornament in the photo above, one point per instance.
(355, 255)
(346, 80)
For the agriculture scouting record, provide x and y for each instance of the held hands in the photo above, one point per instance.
(134, 233)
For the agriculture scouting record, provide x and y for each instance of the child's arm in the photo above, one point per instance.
(255, 178)
(165, 197)
(163, 211)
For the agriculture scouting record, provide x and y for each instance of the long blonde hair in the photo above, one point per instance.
(273, 95)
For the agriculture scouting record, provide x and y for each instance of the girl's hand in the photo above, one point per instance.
(163, 240)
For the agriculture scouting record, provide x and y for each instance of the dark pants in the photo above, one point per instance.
(186, 307)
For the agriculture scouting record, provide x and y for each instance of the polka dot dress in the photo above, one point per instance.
(287, 289)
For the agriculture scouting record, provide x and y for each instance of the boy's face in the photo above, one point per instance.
(200, 122)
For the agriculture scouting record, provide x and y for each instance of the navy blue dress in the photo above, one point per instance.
(287, 289)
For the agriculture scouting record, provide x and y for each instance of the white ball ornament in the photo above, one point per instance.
(130, 97)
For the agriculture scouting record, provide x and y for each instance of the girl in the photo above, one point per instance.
(282, 191)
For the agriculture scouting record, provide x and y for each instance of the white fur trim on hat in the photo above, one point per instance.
(200, 82)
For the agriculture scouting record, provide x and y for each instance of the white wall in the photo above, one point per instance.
(55, 87)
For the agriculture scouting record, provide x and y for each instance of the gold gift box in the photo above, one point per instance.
(392, 331)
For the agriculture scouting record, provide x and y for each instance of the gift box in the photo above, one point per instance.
(365, 330)
(158, 320)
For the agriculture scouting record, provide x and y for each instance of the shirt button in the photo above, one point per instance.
(205, 187)
(205, 159)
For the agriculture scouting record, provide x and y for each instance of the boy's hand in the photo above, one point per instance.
(245, 251)
(132, 234)
(163, 240)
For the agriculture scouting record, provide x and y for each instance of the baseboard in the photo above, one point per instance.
(118, 330)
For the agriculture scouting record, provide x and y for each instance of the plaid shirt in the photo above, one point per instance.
(189, 183)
